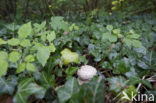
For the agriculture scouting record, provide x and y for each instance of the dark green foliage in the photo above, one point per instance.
(44, 42)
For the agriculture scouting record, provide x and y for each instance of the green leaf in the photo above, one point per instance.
(25, 89)
(105, 36)
(25, 30)
(71, 71)
(119, 35)
(47, 80)
(131, 73)
(65, 93)
(112, 38)
(116, 31)
(134, 36)
(43, 38)
(69, 57)
(3, 55)
(127, 41)
(38, 27)
(142, 64)
(117, 83)
(146, 83)
(2, 41)
(3, 63)
(30, 67)
(3, 67)
(137, 80)
(121, 67)
(109, 27)
(13, 42)
(25, 43)
(82, 59)
(11, 27)
(92, 92)
(21, 68)
(43, 55)
(57, 22)
(51, 36)
(136, 43)
(29, 58)
(141, 50)
(7, 86)
(98, 88)
(52, 47)
(106, 65)
(14, 57)
(36, 46)
(129, 90)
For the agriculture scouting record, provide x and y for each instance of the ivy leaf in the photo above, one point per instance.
(29, 58)
(25, 89)
(142, 64)
(137, 80)
(131, 73)
(2, 41)
(147, 83)
(117, 83)
(24, 30)
(39, 27)
(51, 36)
(69, 57)
(21, 68)
(3, 63)
(14, 57)
(112, 38)
(43, 55)
(121, 67)
(141, 50)
(7, 86)
(93, 92)
(134, 36)
(65, 93)
(116, 31)
(52, 47)
(105, 36)
(36, 46)
(25, 43)
(119, 35)
(13, 42)
(106, 65)
(71, 71)
(3, 67)
(58, 23)
(97, 87)
(136, 43)
(127, 41)
(109, 27)
(129, 91)
(3, 55)
(12, 26)
(43, 38)
(30, 67)
(47, 80)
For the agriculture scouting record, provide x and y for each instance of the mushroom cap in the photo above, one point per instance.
(86, 72)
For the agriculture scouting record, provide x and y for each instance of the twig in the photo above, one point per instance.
(151, 79)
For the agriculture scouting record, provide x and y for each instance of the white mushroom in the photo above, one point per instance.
(86, 73)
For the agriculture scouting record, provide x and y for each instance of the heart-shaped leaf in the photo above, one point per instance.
(69, 57)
